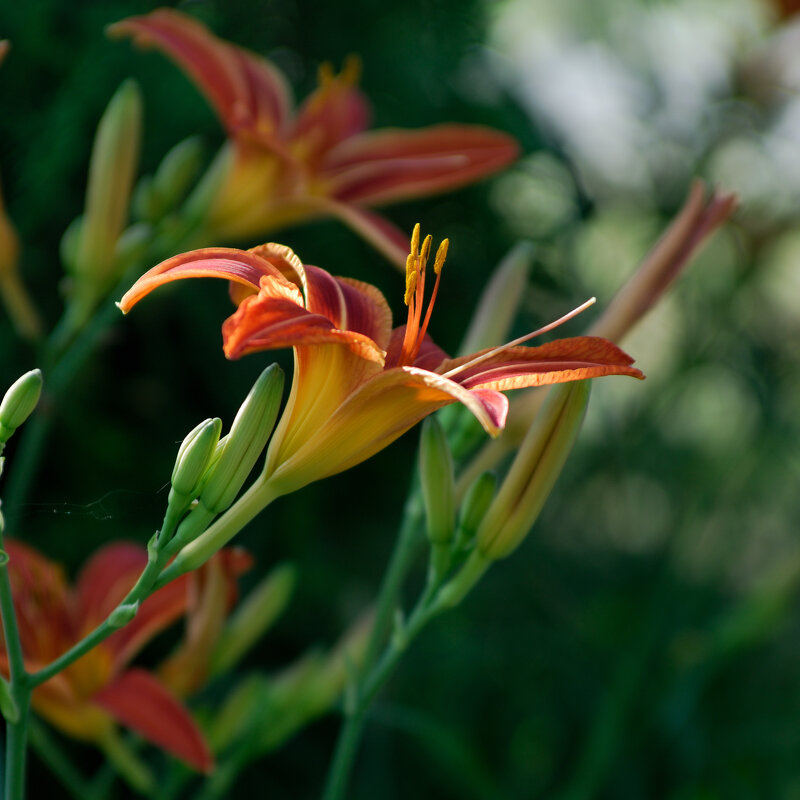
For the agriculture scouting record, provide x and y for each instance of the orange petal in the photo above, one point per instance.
(392, 164)
(141, 703)
(559, 361)
(247, 92)
(372, 417)
(239, 266)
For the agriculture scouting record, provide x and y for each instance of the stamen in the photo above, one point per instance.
(441, 255)
(415, 240)
(522, 339)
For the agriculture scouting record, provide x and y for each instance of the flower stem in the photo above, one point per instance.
(17, 730)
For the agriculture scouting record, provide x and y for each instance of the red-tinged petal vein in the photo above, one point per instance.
(239, 266)
(140, 702)
(392, 164)
(204, 57)
(558, 361)
(372, 417)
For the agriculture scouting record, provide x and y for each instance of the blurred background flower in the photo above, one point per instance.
(642, 642)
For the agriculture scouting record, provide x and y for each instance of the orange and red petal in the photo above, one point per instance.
(274, 319)
(559, 361)
(140, 702)
(242, 267)
(246, 91)
(393, 164)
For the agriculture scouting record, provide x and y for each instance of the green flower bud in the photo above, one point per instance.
(111, 171)
(18, 403)
(176, 172)
(249, 433)
(123, 614)
(534, 471)
(253, 617)
(193, 459)
(476, 503)
(438, 482)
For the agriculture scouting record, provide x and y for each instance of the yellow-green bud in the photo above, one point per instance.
(438, 483)
(476, 503)
(193, 459)
(8, 705)
(249, 433)
(18, 403)
(112, 168)
(123, 614)
(534, 471)
(253, 617)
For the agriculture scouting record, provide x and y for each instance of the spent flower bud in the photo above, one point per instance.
(123, 614)
(19, 402)
(438, 482)
(534, 471)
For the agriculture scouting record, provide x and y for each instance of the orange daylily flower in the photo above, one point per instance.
(358, 384)
(99, 689)
(284, 166)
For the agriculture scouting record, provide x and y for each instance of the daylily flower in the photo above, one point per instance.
(358, 384)
(283, 166)
(99, 689)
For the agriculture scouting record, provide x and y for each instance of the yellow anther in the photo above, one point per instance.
(426, 251)
(351, 71)
(441, 255)
(411, 284)
(415, 240)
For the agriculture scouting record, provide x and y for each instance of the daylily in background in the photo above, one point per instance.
(99, 689)
(358, 385)
(283, 166)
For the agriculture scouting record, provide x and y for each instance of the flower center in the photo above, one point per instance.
(416, 265)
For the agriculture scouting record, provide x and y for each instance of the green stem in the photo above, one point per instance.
(16, 731)
(350, 737)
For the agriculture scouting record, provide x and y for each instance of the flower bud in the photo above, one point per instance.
(534, 471)
(253, 617)
(476, 503)
(158, 195)
(123, 614)
(112, 168)
(193, 459)
(18, 403)
(436, 476)
(249, 433)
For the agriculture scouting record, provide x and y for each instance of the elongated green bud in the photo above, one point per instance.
(476, 503)
(253, 617)
(193, 459)
(249, 433)
(112, 168)
(18, 403)
(438, 482)
(534, 471)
